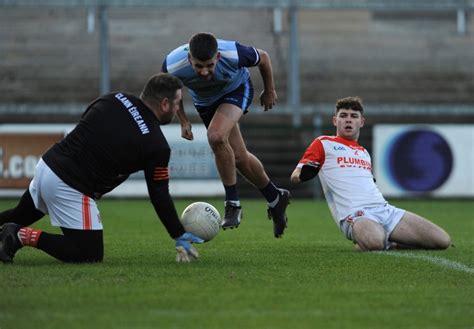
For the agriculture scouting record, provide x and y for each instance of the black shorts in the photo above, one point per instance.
(240, 97)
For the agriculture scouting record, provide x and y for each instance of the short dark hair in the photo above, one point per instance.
(161, 85)
(354, 103)
(203, 46)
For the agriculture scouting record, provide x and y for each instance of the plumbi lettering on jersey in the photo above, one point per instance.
(354, 162)
(134, 112)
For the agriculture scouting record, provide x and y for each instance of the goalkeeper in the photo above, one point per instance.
(356, 204)
(117, 135)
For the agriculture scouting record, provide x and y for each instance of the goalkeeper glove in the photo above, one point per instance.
(185, 252)
(309, 171)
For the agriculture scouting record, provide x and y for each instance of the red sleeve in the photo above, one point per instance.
(315, 153)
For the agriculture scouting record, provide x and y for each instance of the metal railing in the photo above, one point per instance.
(458, 7)
(312, 4)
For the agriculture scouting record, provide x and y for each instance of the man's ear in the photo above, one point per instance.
(189, 58)
(334, 120)
(218, 55)
(165, 105)
(362, 121)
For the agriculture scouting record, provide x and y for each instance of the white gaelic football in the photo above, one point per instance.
(202, 220)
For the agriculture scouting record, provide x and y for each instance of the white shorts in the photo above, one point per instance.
(66, 206)
(387, 215)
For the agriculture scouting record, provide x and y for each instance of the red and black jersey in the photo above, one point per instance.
(117, 136)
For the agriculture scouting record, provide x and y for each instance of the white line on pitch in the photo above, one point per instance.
(433, 259)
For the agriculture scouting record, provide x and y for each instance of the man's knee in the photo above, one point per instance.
(216, 139)
(419, 232)
(371, 244)
(88, 246)
(442, 241)
(369, 235)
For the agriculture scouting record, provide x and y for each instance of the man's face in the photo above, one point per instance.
(204, 69)
(170, 107)
(348, 123)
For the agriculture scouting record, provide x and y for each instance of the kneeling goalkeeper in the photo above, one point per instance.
(117, 135)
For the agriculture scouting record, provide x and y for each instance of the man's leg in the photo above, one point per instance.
(252, 169)
(24, 214)
(74, 246)
(368, 235)
(218, 131)
(418, 232)
(248, 164)
(224, 120)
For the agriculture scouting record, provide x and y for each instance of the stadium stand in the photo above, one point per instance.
(50, 58)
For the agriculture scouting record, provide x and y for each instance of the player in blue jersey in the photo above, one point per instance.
(217, 77)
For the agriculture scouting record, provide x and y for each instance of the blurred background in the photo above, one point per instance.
(412, 63)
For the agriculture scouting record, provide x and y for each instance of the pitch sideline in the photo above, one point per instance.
(433, 259)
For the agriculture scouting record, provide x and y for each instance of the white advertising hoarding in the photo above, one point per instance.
(424, 160)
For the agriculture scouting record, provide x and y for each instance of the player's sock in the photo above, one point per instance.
(233, 203)
(271, 194)
(75, 246)
(29, 236)
(231, 195)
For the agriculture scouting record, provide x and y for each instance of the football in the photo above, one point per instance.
(201, 219)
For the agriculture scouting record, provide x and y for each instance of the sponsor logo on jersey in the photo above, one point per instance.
(353, 162)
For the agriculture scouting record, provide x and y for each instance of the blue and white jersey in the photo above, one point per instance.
(230, 71)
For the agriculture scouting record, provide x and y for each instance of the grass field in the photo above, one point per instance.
(246, 278)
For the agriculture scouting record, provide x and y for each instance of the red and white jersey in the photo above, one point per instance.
(345, 175)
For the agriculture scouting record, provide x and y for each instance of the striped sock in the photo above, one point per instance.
(29, 236)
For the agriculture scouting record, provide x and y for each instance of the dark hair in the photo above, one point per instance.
(203, 46)
(353, 103)
(161, 85)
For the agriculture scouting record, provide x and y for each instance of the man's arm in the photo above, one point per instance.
(186, 127)
(305, 172)
(162, 202)
(268, 96)
(158, 190)
(165, 209)
(295, 176)
(186, 130)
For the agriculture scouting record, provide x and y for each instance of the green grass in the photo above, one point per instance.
(245, 278)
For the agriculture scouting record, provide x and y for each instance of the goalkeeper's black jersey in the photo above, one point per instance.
(116, 136)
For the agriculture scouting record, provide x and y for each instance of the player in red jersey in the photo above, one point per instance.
(357, 206)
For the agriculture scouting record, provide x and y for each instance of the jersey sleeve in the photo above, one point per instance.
(164, 67)
(157, 179)
(248, 56)
(314, 153)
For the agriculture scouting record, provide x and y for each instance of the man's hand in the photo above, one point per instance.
(185, 252)
(186, 131)
(268, 99)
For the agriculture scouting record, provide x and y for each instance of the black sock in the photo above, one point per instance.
(75, 246)
(231, 193)
(270, 192)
